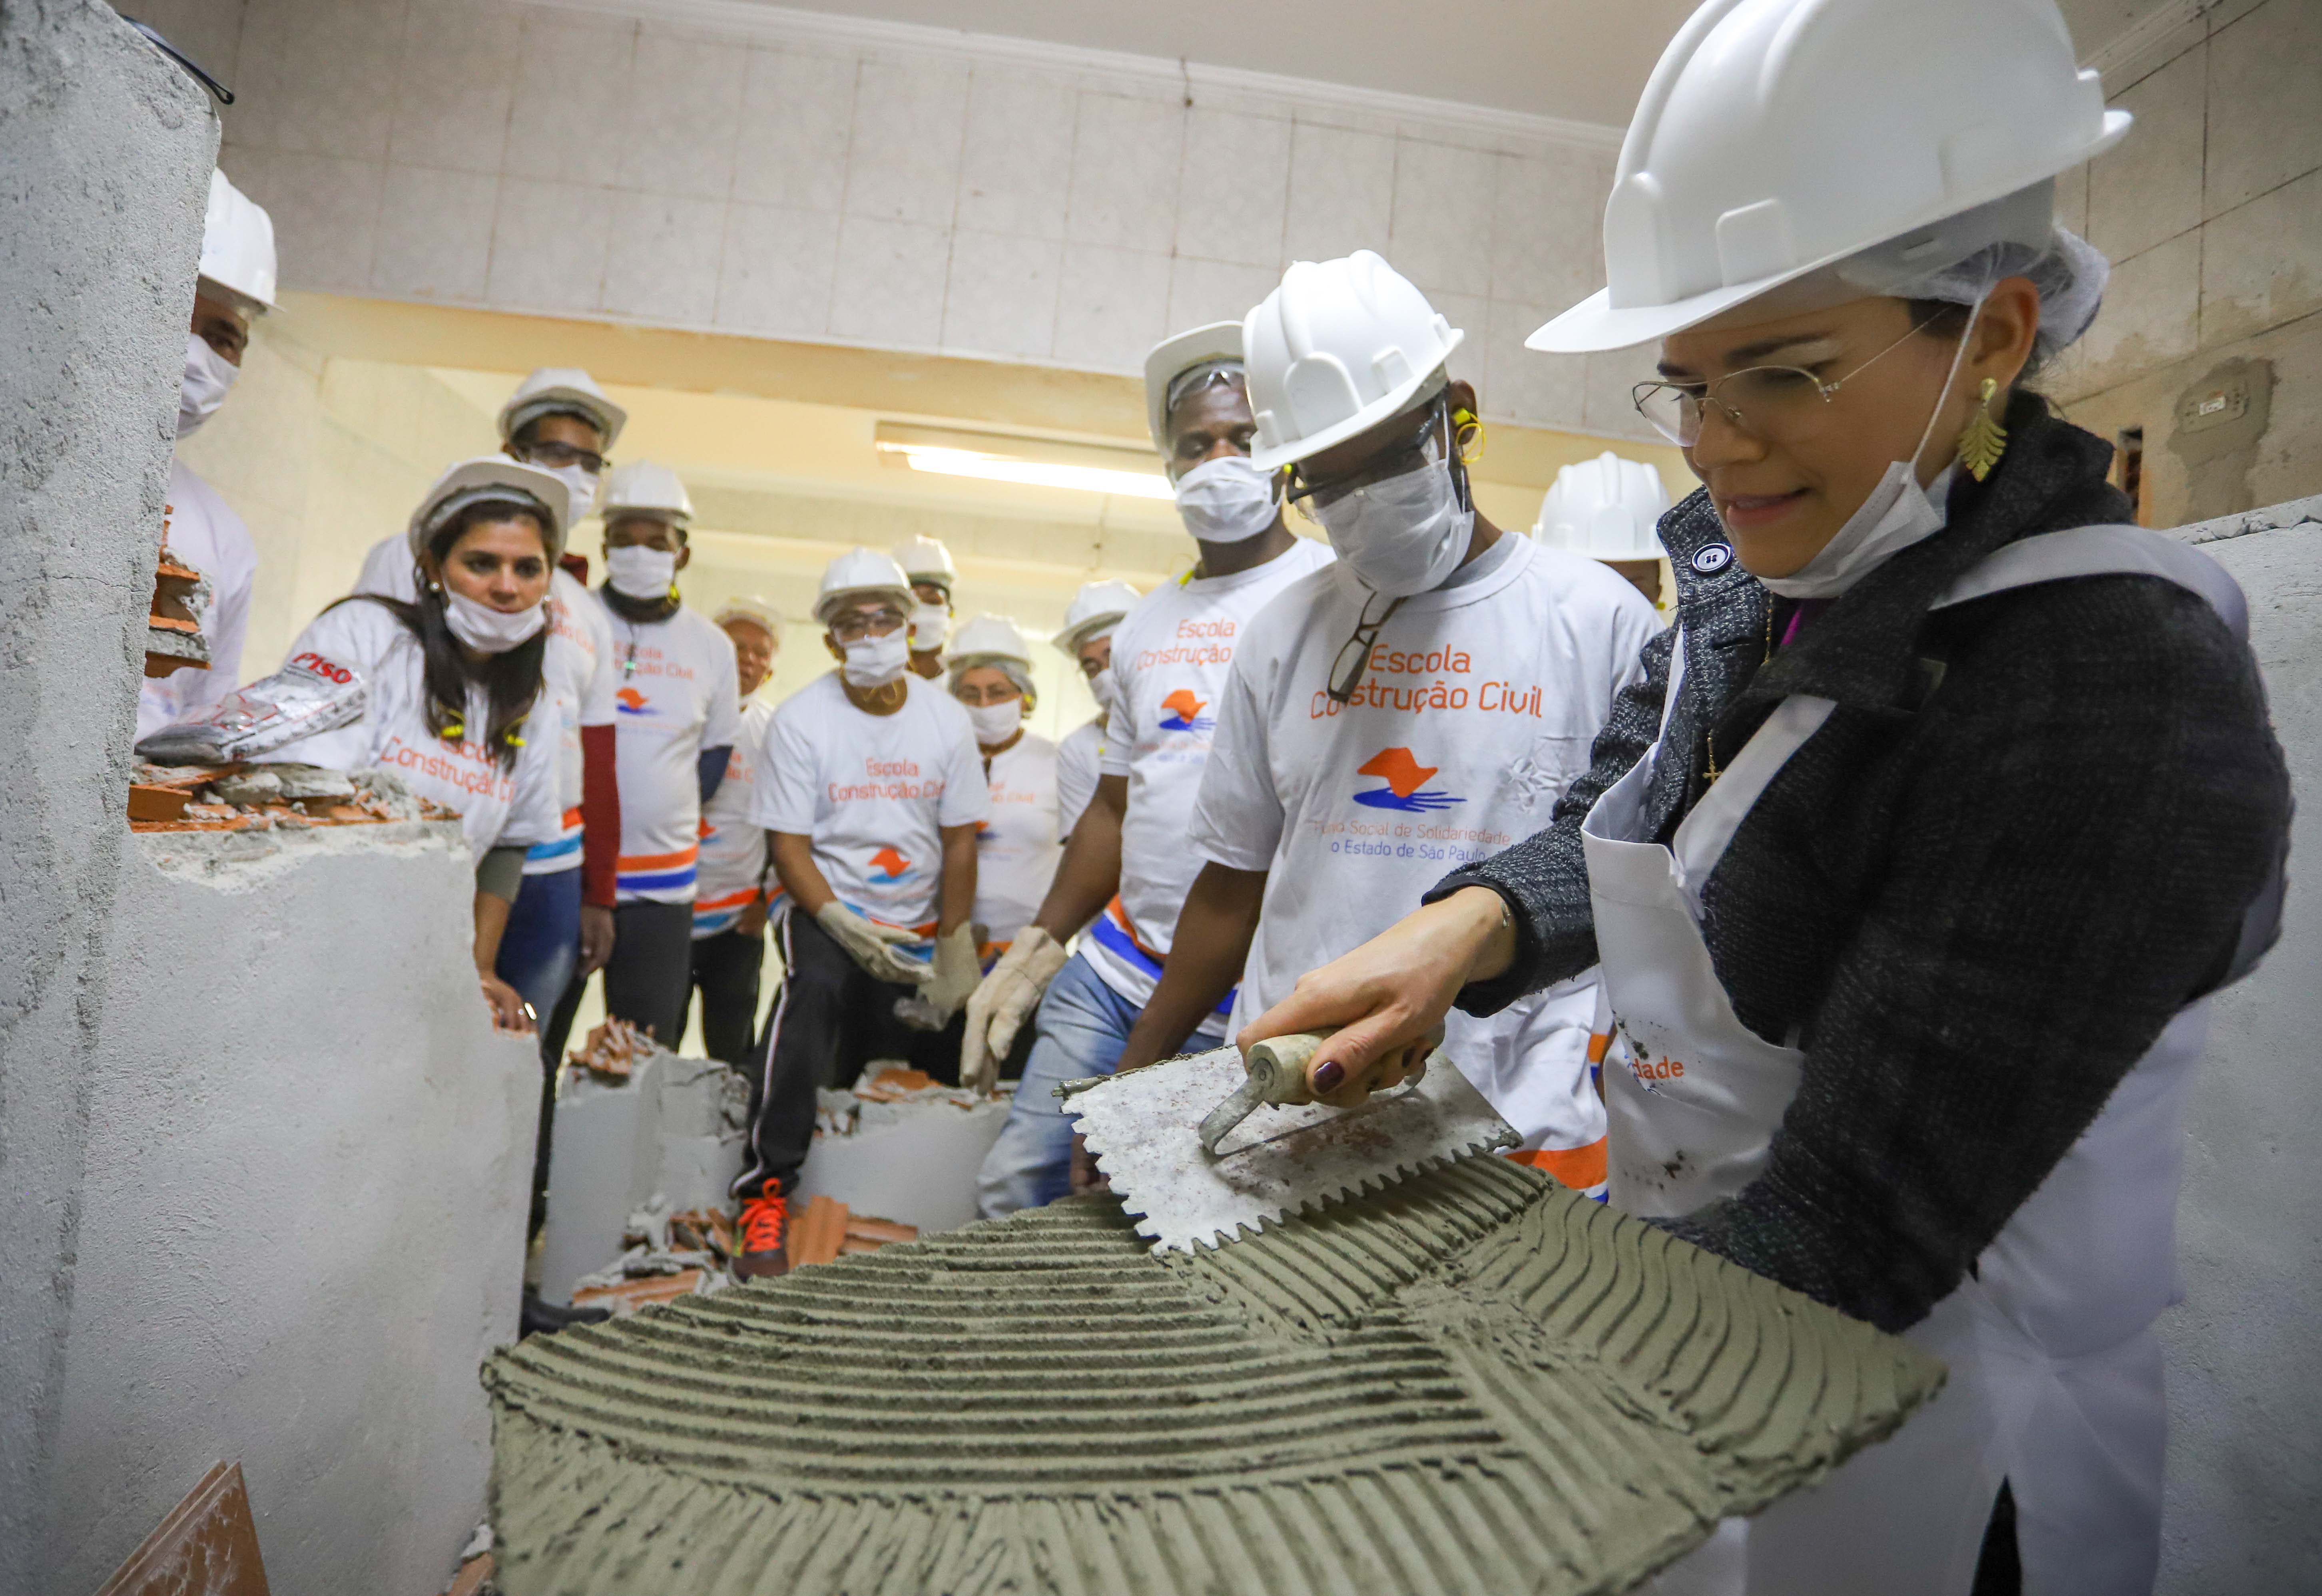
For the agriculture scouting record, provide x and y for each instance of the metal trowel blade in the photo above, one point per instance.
(1144, 1130)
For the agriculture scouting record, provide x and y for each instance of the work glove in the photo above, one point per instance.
(1003, 1000)
(872, 947)
(945, 986)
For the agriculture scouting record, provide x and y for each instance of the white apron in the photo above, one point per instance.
(2055, 1371)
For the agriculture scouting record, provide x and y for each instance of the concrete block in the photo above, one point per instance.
(913, 1161)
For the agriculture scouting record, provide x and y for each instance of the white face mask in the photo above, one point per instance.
(930, 627)
(1402, 537)
(1101, 688)
(637, 572)
(874, 661)
(209, 375)
(581, 484)
(490, 631)
(994, 724)
(1226, 500)
(1897, 513)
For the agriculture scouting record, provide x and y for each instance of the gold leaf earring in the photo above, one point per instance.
(1984, 439)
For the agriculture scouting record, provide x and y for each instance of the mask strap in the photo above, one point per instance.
(1959, 358)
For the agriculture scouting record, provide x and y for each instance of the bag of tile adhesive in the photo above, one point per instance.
(309, 694)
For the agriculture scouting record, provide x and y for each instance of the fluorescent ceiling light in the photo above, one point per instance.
(1031, 462)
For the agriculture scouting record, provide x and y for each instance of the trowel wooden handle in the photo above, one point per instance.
(1281, 1061)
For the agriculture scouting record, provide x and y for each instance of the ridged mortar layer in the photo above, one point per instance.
(1473, 1380)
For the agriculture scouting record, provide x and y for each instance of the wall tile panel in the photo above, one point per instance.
(2265, 102)
(570, 119)
(1341, 191)
(904, 159)
(1234, 185)
(2151, 315)
(1002, 295)
(776, 274)
(685, 115)
(889, 283)
(796, 109)
(453, 86)
(434, 233)
(2148, 187)
(2262, 262)
(1204, 291)
(1441, 231)
(1547, 229)
(1517, 385)
(1016, 163)
(660, 262)
(318, 76)
(1111, 306)
(325, 214)
(548, 245)
(1126, 156)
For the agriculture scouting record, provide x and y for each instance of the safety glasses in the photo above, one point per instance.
(1354, 656)
(556, 456)
(1428, 445)
(1775, 404)
(853, 626)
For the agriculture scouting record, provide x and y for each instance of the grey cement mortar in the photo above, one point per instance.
(676, 1129)
(2244, 1406)
(309, 1165)
(106, 149)
(1470, 1380)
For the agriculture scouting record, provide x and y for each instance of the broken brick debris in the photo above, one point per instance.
(474, 1578)
(816, 1236)
(262, 798)
(207, 1543)
(173, 629)
(634, 1294)
(610, 1050)
(1464, 1378)
(892, 1085)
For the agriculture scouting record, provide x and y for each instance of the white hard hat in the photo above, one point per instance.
(861, 570)
(238, 243)
(1340, 347)
(484, 480)
(750, 608)
(989, 637)
(1606, 508)
(643, 488)
(1096, 609)
(560, 390)
(1777, 137)
(1217, 344)
(924, 559)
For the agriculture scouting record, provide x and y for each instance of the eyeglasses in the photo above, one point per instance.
(1426, 447)
(555, 456)
(1776, 404)
(856, 625)
(1354, 655)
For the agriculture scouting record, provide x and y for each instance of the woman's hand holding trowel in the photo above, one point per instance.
(1380, 1008)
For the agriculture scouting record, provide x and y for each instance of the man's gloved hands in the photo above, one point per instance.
(944, 986)
(874, 947)
(1003, 1000)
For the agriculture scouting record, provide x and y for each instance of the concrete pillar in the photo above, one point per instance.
(2244, 1406)
(106, 151)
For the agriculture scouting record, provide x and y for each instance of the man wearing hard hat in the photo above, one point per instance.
(235, 283)
(933, 576)
(869, 780)
(1424, 701)
(1017, 850)
(1091, 619)
(1126, 867)
(676, 716)
(1607, 508)
(560, 931)
(733, 897)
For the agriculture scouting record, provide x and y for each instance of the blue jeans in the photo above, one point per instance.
(1081, 1028)
(541, 947)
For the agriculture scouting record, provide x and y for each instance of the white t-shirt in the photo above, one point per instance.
(1170, 654)
(496, 808)
(1481, 703)
(1017, 849)
(733, 844)
(675, 695)
(576, 668)
(204, 533)
(1077, 758)
(872, 791)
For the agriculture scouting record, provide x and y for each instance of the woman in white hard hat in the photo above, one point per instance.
(1090, 621)
(454, 675)
(1017, 850)
(1944, 807)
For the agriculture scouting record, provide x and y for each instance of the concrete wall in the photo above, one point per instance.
(105, 155)
(755, 170)
(2211, 214)
(2244, 1407)
(302, 1225)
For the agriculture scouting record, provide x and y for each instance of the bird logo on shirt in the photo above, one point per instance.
(1405, 777)
(629, 701)
(891, 865)
(1184, 712)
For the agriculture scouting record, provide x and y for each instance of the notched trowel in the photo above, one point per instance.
(1203, 1147)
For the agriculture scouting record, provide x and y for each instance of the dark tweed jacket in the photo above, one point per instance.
(1973, 898)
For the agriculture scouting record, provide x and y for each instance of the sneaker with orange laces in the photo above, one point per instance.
(766, 1222)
